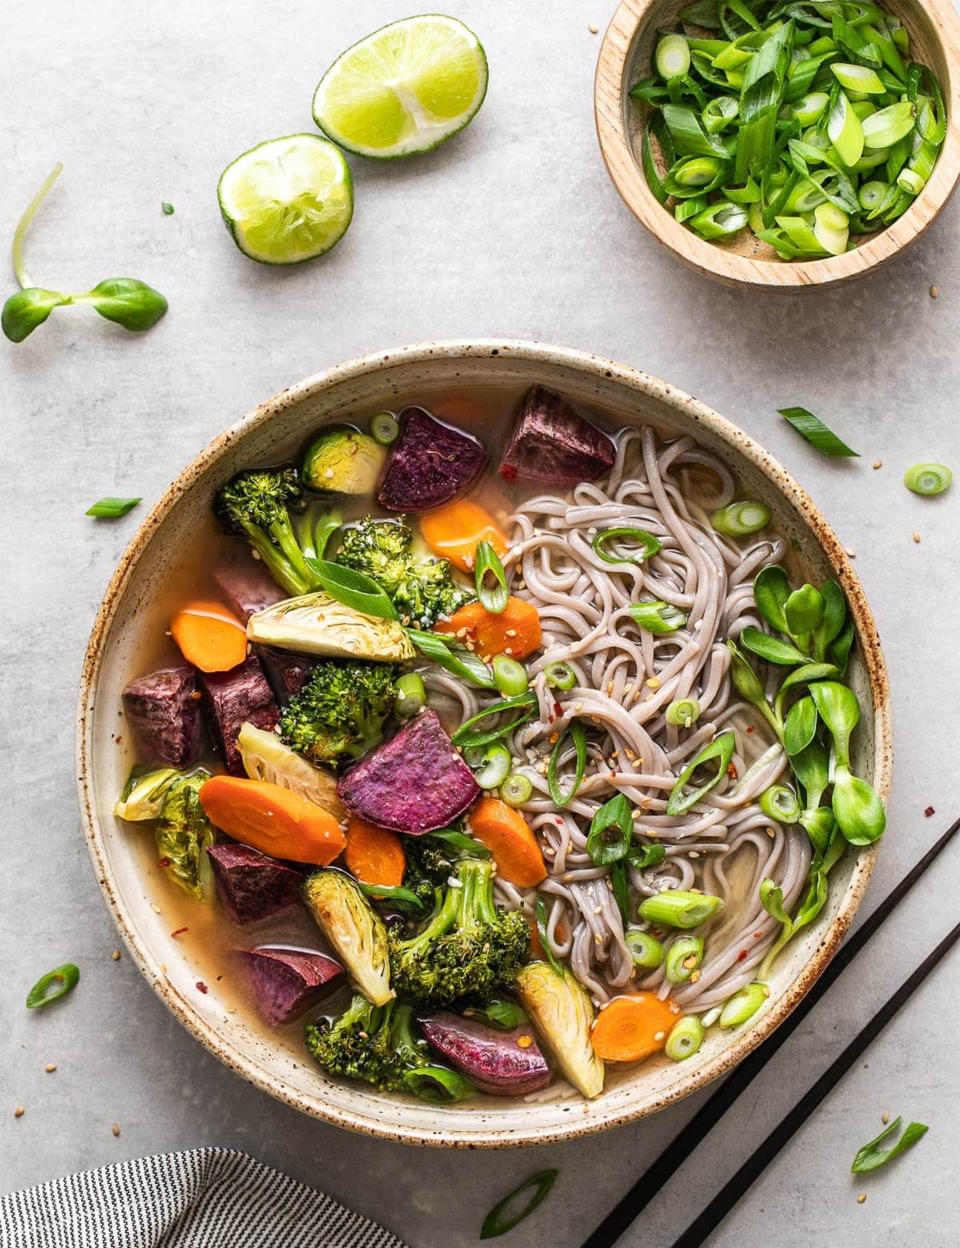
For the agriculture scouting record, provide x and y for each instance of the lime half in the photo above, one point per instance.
(404, 89)
(288, 199)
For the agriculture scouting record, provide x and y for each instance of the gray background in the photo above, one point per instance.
(511, 230)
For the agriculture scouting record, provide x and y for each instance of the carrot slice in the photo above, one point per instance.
(455, 531)
(515, 631)
(633, 1027)
(209, 636)
(274, 820)
(374, 855)
(507, 835)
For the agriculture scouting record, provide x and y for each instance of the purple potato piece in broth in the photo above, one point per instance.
(414, 783)
(287, 673)
(251, 886)
(232, 699)
(285, 982)
(430, 463)
(246, 584)
(553, 443)
(503, 1063)
(163, 711)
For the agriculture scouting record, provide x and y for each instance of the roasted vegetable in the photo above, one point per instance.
(317, 624)
(553, 443)
(339, 713)
(353, 928)
(266, 757)
(343, 461)
(421, 590)
(232, 699)
(467, 951)
(252, 886)
(377, 1045)
(184, 833)
(287, 673)
(285, 982)
(143, 794)
(563, 1015)
(414, 783)
(164, 715)
(257, 504)
(245, 583)
(503, 1063)
(430, 463)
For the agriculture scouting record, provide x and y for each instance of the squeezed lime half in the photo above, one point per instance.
(288, 199)
(404, 89)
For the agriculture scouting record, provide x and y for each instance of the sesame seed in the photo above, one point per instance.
(653, 683)
(19, 1112)
(598, 909)
(115, 1128)
(593, 28)
(694, 976)
(659, 1036)
(155, 908)
(934, 292)
(690, 961)
(328, 474)
(916, 537)
(861, 1198)
(50, 1067)
(116, 955)
(877, 463)
(524, 1041)
(884, 1118)
(851, 553)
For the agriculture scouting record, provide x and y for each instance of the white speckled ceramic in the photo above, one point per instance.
(263, 436)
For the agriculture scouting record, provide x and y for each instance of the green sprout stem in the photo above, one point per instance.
(17, 251)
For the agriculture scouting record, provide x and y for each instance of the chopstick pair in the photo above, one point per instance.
(696, 1130)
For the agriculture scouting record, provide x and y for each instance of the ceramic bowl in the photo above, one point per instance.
(626, 56)
(433, 373)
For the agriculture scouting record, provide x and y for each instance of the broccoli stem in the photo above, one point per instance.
(443, 919)
(283, 534)
(279, 568)
(476, 896)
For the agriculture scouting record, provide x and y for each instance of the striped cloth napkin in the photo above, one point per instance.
(204, 1198)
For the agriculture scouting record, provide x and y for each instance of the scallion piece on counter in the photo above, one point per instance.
(872, 1156)
(112, 508)
(743, 1004)
(685, 1038)
(560, 675)
(499, 1220)
(683, 713)
(577, 734)
(491, 580)
(658, 617)
(675, 907)
(56, 983)
(411, 695)
(167, 209)
(645, 950)
(517, 789)
(816, 432)
(511, 676)
(647, 543)
(927, 479)
(741, 518)
(384, 428)
(683, 958)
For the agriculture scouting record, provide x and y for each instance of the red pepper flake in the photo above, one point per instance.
(557, 708)
(731, 771)
(163, 862)
(508, 472)
(179, 931)
(201, 986)
(748, 729)
(929, 811)
(118, 739)
(741, 955)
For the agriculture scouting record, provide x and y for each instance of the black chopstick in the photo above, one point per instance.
(703, 1122)
(718, 1208)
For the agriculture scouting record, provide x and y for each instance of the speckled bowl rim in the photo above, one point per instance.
(592, 366)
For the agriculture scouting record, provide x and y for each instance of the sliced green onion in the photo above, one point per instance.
(683, 958)
(511, 677)
(719, 220)
(888, 125)
(646, 541)
(112, 508)
(780, 802)
(814, 430)
(927, 479)
(577, 733)
(857, 78)
(611, 830)
(396, 896)
(686, 1036)
(741, 518)
(167, 209)
(499, 1013)
(467, 734)
(491, 580)
(354, 589)
(658, 617)
(645, 950)
(672, 57)
(494, 767)
(56, 983)
(683, 712)
(560, 675)
(807, 110)
(385, 428)
(871, 1156)
(743, 1004)
(498, 1221)
(719, 113)
(517, 789)
(719, 749)
(438, 1083)
(540, 911)
(453, 657)
(676, 907)
(411, 695)
(831, 228)
(683, 209)
(871, 195)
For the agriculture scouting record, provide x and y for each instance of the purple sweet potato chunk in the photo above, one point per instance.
(246, 584)
(414, 783)
(494, 1060)
(430, 463)
(232, 699)
(285, 982)
(553, 443)
(287, 673)
(250, 885)
(163, 711)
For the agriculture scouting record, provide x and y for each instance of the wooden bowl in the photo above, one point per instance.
(626, 56)
(444, 376)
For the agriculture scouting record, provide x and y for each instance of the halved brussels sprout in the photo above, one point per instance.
(318, 624)
(343, 461)
(353, 928)
(143, 794)
(563, 1015)
(265, 757)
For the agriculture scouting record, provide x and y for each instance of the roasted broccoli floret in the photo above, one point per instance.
(339, 713)
(183, 834)
(377, 1045)
(267, 507)
(422, 590)
(468, 950)
(430, 860)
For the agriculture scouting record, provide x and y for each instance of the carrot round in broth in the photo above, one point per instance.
(514, 632)
(374, 855)
(633, 1027)
(209, 636)
(274, 820)
(456, 530)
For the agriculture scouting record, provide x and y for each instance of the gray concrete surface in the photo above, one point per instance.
(512, 229)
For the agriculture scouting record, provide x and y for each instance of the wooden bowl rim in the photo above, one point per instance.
(628, 177)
